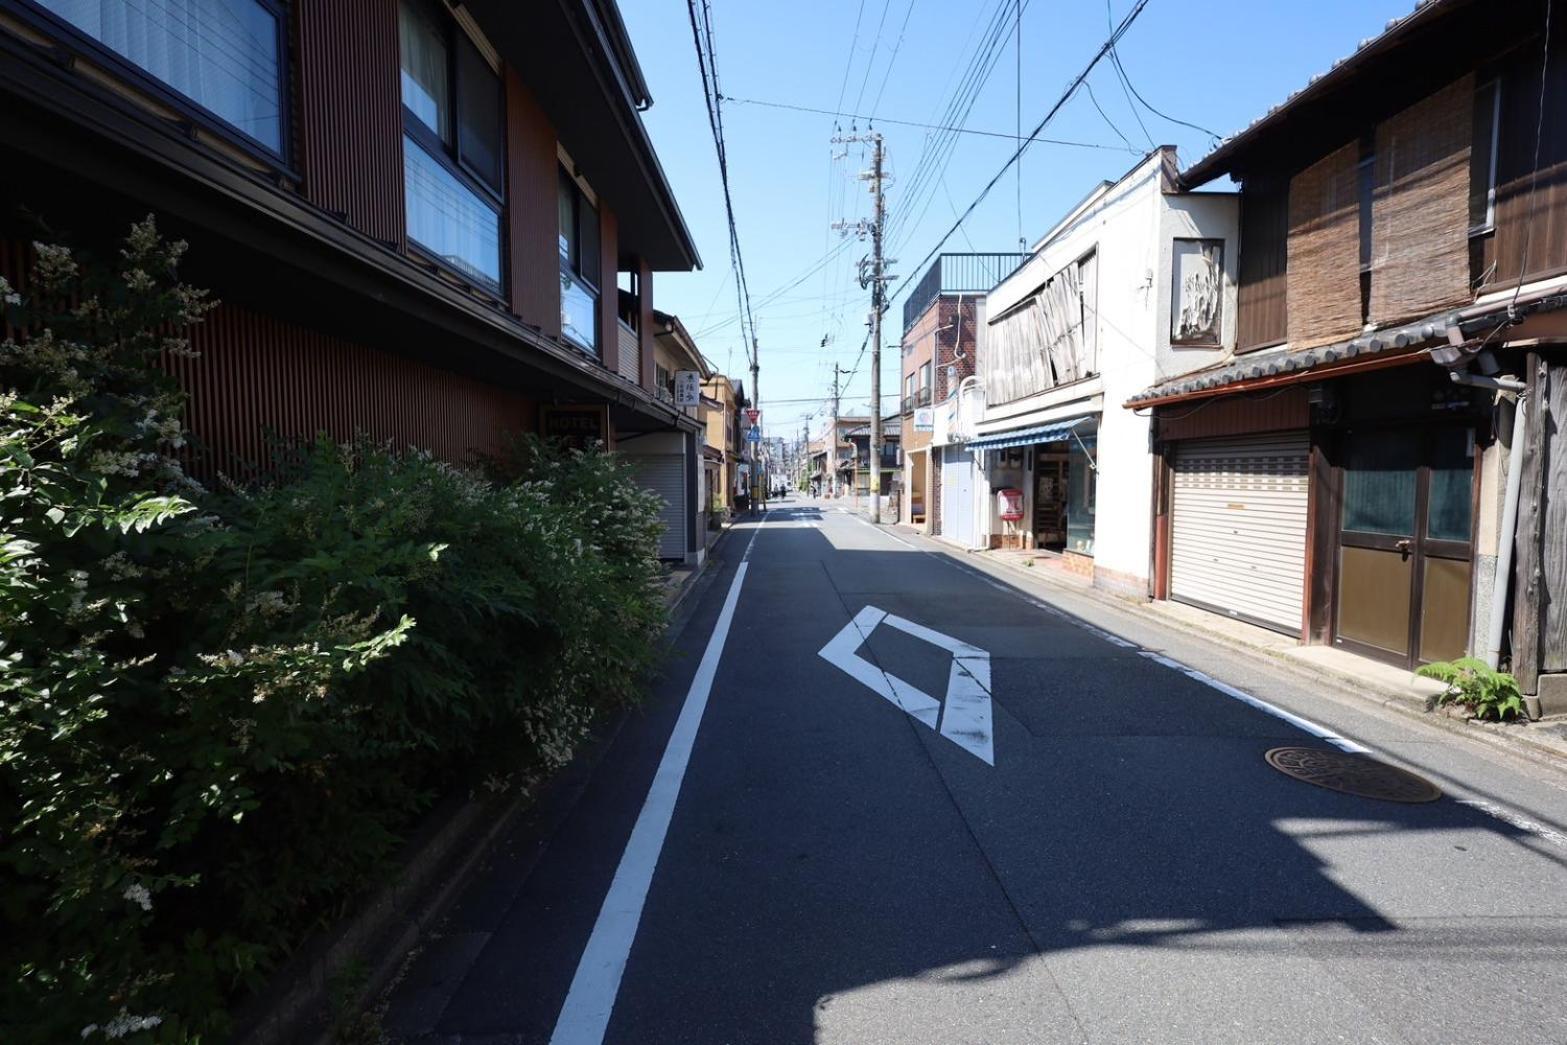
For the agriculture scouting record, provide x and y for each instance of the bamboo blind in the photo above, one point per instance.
(1323, 275)
(1420, 206)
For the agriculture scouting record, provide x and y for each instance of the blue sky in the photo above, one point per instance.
(1216, 63)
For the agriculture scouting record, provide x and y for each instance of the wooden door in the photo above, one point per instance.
(1405, 559)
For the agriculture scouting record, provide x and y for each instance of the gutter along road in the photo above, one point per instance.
(882, 796)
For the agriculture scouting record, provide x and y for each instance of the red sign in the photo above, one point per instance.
(1011, 504)
(752, 414)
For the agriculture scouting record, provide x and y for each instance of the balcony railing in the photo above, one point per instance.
(958, 274)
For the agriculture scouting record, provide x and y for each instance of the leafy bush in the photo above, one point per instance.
(1472, 684)
(220, 711)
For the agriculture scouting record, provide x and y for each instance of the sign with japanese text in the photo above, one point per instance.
(688, 388)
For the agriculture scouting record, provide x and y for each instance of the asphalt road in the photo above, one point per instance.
(798, 848)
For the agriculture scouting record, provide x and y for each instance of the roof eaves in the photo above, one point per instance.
(1216, 162)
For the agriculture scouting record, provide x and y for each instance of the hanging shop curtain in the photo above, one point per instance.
(1420, 206)
(1323, 273)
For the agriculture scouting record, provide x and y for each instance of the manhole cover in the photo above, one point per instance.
(1352, 774)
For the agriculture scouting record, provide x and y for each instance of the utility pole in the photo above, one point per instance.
(756, 402)
(832, 436)
(873, 274)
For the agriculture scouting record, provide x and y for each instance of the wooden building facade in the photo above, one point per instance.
(431, 224)
(1341, 476)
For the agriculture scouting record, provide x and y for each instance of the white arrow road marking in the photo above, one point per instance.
(840, 653)
(965, 717)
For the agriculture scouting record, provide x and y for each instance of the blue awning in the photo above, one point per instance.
(1028, 436)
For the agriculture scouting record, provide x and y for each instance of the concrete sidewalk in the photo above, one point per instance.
(1356, 677)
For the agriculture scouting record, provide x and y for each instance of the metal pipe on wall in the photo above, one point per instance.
(1504, 549)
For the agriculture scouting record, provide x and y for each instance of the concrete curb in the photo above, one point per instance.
(1349, 687)
(298, 1004)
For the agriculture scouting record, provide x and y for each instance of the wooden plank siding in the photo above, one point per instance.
(609, 292)
(1261, 305)
(1531, 209)
(532, 185)
(350, 114)
(256, 376)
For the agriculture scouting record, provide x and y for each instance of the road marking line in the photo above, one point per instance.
(1317, 730)
(966, 715)
(1523, 823)
(584, 1017)
(840, 653)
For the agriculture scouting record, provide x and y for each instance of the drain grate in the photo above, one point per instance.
(1352, 774)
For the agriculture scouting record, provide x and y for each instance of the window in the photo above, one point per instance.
(224, 55)
(1482, 157)
(453, 131)
(580, 264)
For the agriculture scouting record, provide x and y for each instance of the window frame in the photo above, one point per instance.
(449, 155)
(1488, 224)
(82, 44)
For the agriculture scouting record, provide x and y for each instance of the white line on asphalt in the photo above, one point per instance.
(1321, 732)
(1523, 823)
(585, 1015)
(1315, 729)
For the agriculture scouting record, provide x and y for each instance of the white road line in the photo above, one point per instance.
(1523, 823)
(1317, 730)
(585, 1015)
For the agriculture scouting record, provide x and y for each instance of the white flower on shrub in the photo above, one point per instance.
(137, 894)
(122, 1025)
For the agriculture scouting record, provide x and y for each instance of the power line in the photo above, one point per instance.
(1106, 116)
(1078, 81)
(875, 46)
(707, 64)
(853, 43)
(1126, 81)
(926, 126)
(938, 154)
(896, 47)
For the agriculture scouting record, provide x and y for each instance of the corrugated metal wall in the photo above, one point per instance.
(257, 374)
(350, 113)
(532, 185)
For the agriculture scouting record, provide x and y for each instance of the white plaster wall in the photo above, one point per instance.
(1199, 215)
(1133, 225)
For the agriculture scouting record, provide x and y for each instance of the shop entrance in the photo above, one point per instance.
(1052, 474)
(1405, 543)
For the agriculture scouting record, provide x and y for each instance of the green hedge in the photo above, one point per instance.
(220, 711)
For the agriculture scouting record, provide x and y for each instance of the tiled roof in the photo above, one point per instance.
(1393, 25)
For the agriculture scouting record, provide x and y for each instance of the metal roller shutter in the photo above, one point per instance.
(1238, 527)
(665, 475)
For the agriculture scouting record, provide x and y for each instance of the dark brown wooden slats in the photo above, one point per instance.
(609, 291)
(351, 114)
(1532, 211)
(1420, 206)
(532, 182)
(256, 376)
(1261, 300)
(1323, 280)
(1281, 410)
